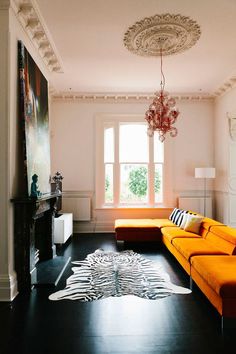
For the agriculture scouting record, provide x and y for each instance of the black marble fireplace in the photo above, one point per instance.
(33, 236)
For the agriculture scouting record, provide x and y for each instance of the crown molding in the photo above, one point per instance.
(122, 97)
(28, 14)
(225, 87)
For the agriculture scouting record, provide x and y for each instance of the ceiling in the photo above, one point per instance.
(88, 35)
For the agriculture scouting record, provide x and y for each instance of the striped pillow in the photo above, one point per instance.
(177, 216)
(174, 211)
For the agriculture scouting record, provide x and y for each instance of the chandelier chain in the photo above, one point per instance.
(163, 81)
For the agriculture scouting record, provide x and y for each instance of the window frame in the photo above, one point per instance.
(114, 120)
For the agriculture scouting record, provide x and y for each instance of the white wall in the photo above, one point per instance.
(7, 276)
(10, 166)
(73, 145)
(225, 159)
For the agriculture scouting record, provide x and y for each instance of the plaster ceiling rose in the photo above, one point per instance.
(171, 33)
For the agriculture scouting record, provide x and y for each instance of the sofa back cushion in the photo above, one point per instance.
(221, 239)
(207, 225)
(226, 232)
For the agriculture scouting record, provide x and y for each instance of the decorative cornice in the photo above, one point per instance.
(168, 33)
(122, 97)
(29, 16)
(225, 87)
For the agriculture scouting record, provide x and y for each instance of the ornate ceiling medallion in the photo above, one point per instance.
(171, 33)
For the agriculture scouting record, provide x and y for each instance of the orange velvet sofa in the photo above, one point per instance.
(208, 257)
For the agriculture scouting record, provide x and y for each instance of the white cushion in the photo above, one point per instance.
(184, 220)
(193, 223)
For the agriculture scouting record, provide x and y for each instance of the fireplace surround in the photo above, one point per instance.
(33, 236)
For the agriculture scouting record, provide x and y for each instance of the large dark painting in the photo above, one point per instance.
(35, 121)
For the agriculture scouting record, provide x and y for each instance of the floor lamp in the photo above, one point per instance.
(205, 172)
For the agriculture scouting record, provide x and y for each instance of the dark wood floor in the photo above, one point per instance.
(32, 324)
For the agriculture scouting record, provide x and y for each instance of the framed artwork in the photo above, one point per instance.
(35, 123)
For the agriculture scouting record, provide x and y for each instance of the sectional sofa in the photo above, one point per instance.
(207, 253)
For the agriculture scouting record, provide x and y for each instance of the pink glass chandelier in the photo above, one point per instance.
(162, 113)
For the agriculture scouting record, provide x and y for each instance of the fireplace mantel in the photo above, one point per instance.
(33, 236)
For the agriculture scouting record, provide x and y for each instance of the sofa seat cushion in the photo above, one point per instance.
(135, 224)
(163, 223)
(189, 247)
(137, 230)
(219, 272)
(175, 232)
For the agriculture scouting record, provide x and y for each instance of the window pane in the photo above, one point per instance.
(133, 143)
(133, 183)
(158, 183)
(109, 145)
(158, 149)
(108, 183)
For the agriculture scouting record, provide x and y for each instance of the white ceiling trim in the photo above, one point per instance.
(122, 98)
(227, 86)
(31, 20)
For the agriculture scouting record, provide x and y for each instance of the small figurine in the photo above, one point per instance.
(34, 187)
(57, 178)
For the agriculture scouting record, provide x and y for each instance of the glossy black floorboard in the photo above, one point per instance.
(32, 324)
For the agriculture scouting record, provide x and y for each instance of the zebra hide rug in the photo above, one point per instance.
(104, 274)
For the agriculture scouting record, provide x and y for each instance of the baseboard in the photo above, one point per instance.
(8, 287)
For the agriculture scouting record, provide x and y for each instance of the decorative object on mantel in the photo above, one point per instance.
(57, 178)
(161, 35)
(35, 193)
(205, 172)
(104, 274)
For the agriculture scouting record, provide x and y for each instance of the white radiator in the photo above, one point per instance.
(80, 207)
(196, 204)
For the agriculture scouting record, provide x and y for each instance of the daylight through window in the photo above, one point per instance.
(132, 165)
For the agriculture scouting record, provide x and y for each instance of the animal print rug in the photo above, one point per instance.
(104, 274)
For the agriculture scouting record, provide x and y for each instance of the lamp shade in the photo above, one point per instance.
(205, 172)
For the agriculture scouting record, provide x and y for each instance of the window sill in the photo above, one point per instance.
(134, 207)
